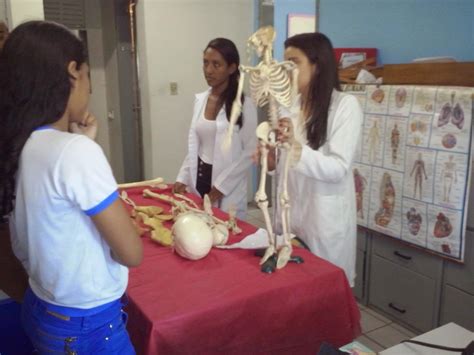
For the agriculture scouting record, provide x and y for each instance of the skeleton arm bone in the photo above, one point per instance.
(236, 106)
(231, 176)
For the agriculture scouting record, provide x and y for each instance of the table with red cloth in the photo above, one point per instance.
(225, 304)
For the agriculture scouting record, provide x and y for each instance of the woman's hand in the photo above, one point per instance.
(285, 132)
(215, 195)
(88, 126)
(179, 188)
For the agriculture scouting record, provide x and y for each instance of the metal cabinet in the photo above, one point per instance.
(360, 287)
(457, 302)
(405, 283)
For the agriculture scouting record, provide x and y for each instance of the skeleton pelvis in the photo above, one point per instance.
(266, 133)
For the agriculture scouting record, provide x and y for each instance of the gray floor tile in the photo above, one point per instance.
(387, 336)
(404, 330)
(378, 315)
(372, 345)
(369, 322)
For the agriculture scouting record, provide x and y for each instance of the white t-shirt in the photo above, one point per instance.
(63, 179)
(206, 132)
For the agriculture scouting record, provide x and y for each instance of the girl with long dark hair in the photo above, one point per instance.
(208, 168)
(68, 227)
(324, 136)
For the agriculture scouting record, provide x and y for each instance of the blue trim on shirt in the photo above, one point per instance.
(42, 128)
(102, 205)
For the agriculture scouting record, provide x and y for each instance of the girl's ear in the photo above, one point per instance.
(73, 70)
(232, 68)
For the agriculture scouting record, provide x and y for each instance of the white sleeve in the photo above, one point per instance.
(230, 177)
(84, 176)
(342, 141)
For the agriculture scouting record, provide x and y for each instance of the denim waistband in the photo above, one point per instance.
(72, 311)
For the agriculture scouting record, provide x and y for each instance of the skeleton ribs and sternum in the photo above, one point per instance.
(269, 84)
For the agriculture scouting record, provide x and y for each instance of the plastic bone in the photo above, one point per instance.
(152, 183)
(217, 226)
(273, 83)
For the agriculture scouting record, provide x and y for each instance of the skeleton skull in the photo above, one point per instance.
(192, 237)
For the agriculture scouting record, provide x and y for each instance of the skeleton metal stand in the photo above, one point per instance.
(269, 83)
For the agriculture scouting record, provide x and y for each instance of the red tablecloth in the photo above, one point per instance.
(225, 304)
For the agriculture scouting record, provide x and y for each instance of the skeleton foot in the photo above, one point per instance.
(284, 256)
(268, 253)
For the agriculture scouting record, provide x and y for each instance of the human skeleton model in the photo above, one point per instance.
(419, 170)
(269, 84)
(395, 141)
(373, 139)
(449, 174)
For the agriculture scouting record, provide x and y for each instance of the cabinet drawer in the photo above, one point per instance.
(457, 307)
(411, 258)
(462, 276)
(359, 280)
(405, 295)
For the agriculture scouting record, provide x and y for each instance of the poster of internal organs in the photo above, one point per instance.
(412, 165)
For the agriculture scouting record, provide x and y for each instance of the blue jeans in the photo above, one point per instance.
(54, 333)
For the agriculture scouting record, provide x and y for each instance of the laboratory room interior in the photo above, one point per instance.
(285, 176)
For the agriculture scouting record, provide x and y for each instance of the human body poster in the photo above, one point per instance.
(412, 165)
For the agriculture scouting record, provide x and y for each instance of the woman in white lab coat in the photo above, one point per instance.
(208, 168)
(324, 136)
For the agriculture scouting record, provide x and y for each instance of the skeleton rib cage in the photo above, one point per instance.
(269, 80)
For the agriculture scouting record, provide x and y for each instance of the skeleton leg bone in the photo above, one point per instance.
(284, 254)
(262, 201)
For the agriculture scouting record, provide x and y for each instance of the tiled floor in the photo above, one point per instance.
(378, 331)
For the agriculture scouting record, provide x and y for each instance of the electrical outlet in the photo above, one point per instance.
(173, 88)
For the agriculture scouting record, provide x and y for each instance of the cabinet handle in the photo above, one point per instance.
(406, 257)
(391, 305)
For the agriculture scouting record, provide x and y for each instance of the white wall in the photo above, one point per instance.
(19, 11)
(172, 35)
(3, 11)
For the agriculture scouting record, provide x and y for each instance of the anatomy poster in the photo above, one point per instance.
(395, 140)
(419, 174)
(373, 139)
(386, 202)
(362, 181)
(412, 165)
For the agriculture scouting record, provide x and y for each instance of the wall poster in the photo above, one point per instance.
(412, 165)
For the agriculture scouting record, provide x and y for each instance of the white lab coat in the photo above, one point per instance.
(321, 186)
(229, 168)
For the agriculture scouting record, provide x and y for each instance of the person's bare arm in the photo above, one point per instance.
(116, 227)
(13, 277)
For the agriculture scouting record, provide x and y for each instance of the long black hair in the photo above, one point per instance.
(318, 48)
(229, 52)
(34, 90)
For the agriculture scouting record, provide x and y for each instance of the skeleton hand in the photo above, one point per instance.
(215, 195)
(88, 126)
(179, 188)
(285, 131)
